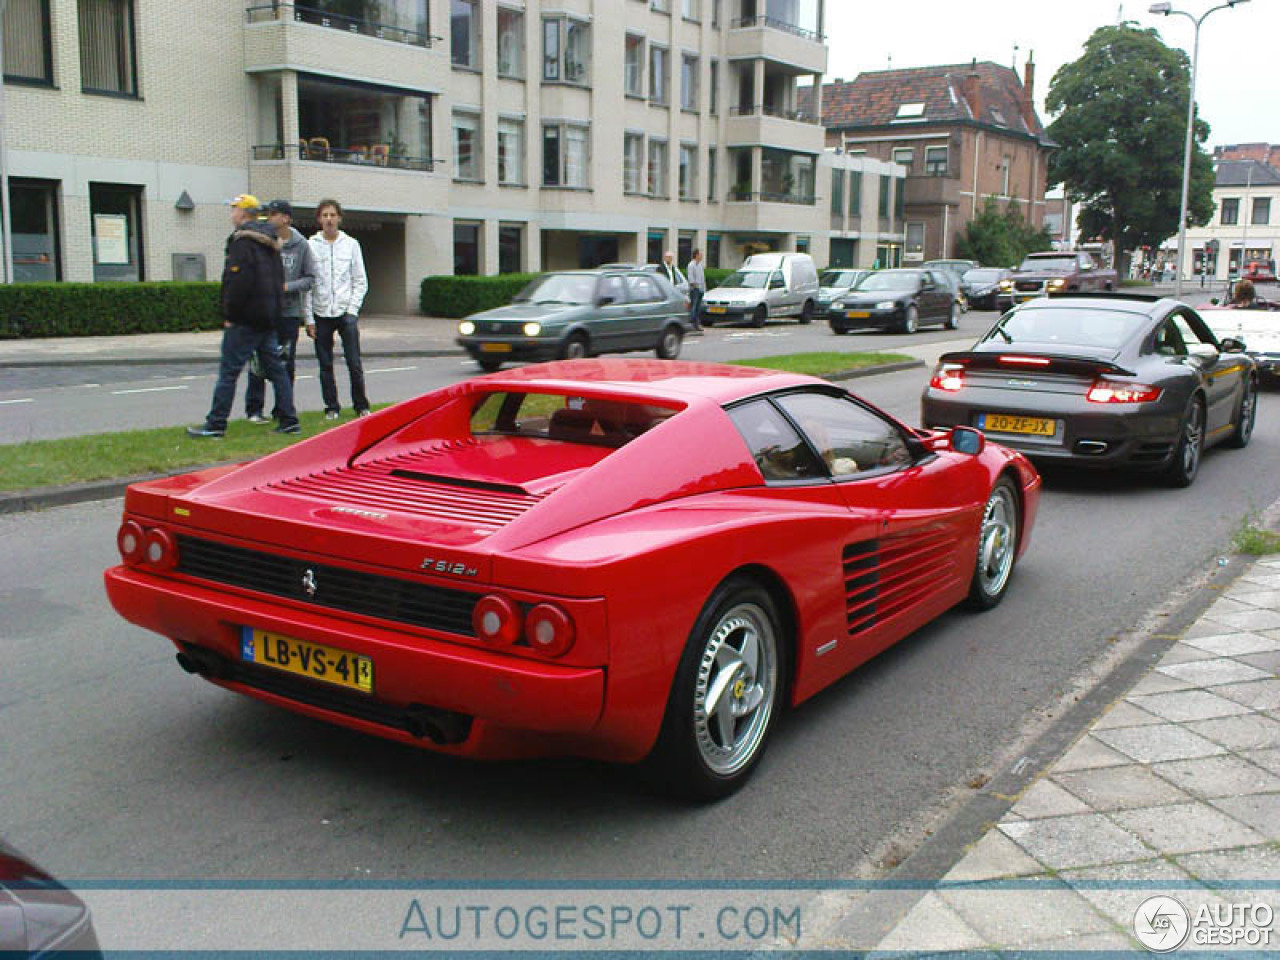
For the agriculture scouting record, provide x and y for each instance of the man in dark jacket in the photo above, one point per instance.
(252, 294)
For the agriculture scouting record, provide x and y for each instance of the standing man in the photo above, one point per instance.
(697, 274)
(299, 277)
(669, 268)
(336, 298)
(252, 291)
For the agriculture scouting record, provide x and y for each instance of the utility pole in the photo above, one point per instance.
(6, 217)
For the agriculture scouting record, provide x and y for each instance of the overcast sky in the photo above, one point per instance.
(1237, 86)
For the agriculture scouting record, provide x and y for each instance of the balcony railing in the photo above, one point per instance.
(766, 196)
(775, 24)
(359, 156)
(767, 110)
(266, 12)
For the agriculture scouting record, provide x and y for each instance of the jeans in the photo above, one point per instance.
(239, 343)
(255, 394)
(695, 306)
(346, 328)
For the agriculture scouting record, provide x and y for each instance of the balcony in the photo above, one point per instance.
(769, 38)
(403, 183)
(378, 155)
(321, 17)
(767, 212)
(759, 124)
(934, 189)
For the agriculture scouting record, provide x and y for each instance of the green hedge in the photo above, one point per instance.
(716, 276)
(106, 309)
(446, 296)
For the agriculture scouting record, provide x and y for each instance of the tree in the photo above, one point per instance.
(1121, 129)
(1000, 239)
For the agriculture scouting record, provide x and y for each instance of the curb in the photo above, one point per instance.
(209, 358)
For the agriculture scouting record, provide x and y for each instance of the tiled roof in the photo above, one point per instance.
(1241, 173)
(873, 98)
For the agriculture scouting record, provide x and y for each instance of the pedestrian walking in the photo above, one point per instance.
(697, 275)
(336, 298)
(299, 277)
(252, 295)
(669, 268)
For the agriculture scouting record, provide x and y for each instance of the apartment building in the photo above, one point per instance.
(461, 136)
(1245, 224)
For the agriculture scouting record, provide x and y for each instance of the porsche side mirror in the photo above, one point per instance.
(1232, 345)
(967, 440)
(1204, 353)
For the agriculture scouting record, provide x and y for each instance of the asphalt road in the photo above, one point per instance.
(117, 765)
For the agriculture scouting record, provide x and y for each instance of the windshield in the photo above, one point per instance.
(1067, 327)
(982, 276)
(755, 279)
(890, 280)
(574, 288)
(1049, 263)
(838, 278)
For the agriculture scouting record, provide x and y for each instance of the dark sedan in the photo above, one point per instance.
(895, 300)
(982, 286)
(1116, 380)
(580, 313)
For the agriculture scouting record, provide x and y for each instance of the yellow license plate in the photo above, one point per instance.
(1004, 423)
(715, 309)
(310, 660)
(495, 348)
(857, 314)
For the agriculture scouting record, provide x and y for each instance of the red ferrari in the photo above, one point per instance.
(627, 560)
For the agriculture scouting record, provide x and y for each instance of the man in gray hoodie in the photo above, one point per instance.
(299, 278)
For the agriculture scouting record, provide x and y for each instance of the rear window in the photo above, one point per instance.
(572, 419)
(1070, 326)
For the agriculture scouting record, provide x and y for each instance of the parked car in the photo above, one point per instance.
(1050, 273)
(1257, 329)
(896, 300)
(39, 917)
(1111, 381)
(956, 269)
(833, 284)
(982, 286)
(580, 313)
(766, 285)
(681, 284)
(617, 559)
(1260, 271)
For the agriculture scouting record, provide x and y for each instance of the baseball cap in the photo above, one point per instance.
(245, 201)
(280, 206)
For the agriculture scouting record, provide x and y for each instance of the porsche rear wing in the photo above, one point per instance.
(1012, 360)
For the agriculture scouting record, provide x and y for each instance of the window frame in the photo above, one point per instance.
(477, 145)
(517, 70)
(130, 37)
(660, 78)
(633, 187)
(932, 168)
(690, 92)
(560, 65)
(642, 44)
(521, 167)
(1232, 204)
(687, 174)
(562, 129)
(475, 51)
(46, 38)
(660, 147)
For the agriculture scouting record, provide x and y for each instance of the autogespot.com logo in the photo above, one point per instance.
(1161, 924)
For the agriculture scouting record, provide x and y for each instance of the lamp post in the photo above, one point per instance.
(1166, 9)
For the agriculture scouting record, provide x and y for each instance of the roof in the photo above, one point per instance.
(1240, 173)
(873, 99)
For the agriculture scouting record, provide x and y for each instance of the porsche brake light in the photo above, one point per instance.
(948, 376)
(1021, 361)
(1114, 391)
(160, 551)
(129, 540)
(496, 620)
(549, 630)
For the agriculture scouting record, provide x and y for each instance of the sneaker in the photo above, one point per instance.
(331, 414)
(363, 413)
(203, 431)
(257, 418)
(291, 428)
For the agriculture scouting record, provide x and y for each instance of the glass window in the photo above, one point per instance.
(711, 174)
(344, 122)
(117, 231)
(1066, 327)
(713, 250)
(883, 208)
(904, 156)
(689, 82)
(566, 50)
(837, 192)
(565, 155)
(511, 151)
(657, 185)
(632, 161)
(688, 173)
(551, 49)
(107, 62)
(778, 450)
(464, 33)
(935, 161)
(551, 166)
(576, 156)
(787, 177)
(466, 249)
(34, 223)
(1261, 210)
(633, 65)
(899, 198)
(684, 247)
(855, 193)
(28, 51)
(1230, 211)
(690, 9)
(659, 76)
(662, 6)
(740, 171)
(848, 438)
(715, 14)
(404, 21)
(466, 146)
(915, 242)
(510, 248)
(714, 92)
(656, 244)
(1005, 166)
(643, 289)
(510, 43)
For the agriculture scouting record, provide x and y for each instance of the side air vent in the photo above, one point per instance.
(885, 577)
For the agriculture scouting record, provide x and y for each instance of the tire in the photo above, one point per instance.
(1246, 416)
(734, 655)
(488, 364)
(911, 322)
(839, 331)
(1185, 464)
(806, 312)
(997, 546)
(953, 319)
(575, 348)
(669, 341)
(760, 317)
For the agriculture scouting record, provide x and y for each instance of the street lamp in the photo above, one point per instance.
(1166, 9)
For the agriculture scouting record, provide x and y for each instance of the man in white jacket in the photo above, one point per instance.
(336, 298)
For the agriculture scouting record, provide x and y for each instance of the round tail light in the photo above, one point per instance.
(160, 551)
(496, 620)
(129, 541)
(549, 630)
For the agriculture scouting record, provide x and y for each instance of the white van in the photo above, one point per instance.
(766, 285)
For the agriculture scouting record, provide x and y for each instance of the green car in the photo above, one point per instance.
(580, 313)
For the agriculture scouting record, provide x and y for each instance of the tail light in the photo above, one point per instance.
(129, 541)
(1019, 361)
(549, 630)
(948, 376)
(496, 620)
(160, 551)
(1115, 391)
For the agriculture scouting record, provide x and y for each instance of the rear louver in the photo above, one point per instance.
(882, 578)
(406, 483)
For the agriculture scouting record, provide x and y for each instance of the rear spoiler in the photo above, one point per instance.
(1012, 361)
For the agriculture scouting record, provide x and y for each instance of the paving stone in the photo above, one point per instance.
(1225, 776)
(1266, 599)
(1268, 759)
(1257, 619)
(1222, 608)
(1182, 705)
(1166, 741)
(1264, 576)
(1243, 587)
(1125, 714)
(993, 857)
(1245, 865)
(1252, 732)
(1022, 917)
(1270, 662)
(1159, 683)
(1234, 644)
(1089, 753)
(1208, 673)
(931, 926)
(1259, 694)
(1083, 840)
(1205, 627)
(1118, 890)
(1047, 799)
(1118, 788)
(1186, 828)
(1260, 811)
(1185, 653)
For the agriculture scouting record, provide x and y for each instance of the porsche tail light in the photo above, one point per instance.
(129, 540)
(549, 630)
(160, 551)
(496, 620)
(1115, 391)
(948, 376)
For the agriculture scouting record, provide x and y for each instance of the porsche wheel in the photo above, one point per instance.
(1245, 416)
(725, 697)
(1185, 464)
(575, 348)
(997, 546)
(911, 322)
(760, 317)
(488, 364)
(669, 343)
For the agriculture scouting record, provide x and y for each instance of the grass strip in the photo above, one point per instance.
(822, 364)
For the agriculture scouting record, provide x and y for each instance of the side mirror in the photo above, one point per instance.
(1205, 353)
(967, 440)
(1232, 345)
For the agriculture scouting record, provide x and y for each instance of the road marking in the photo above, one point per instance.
(117, 393)
(23, 400)
(391, 370)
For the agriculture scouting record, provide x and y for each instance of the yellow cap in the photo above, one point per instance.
(245, 201)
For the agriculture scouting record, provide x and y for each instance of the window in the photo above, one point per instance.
(998, 117)
(36, 254)
(910, 111)
(565, 155)
(659, 75)
(883, 209)
(662, 6)
(643, 289)
(915, 242)
(566, 49)
(740, 171)
(847, 438)
(1006, 164)
(711, 174)
(510, 43)
(28, 50)
(1230, 211)
(899, 198)
(464, 33)
(107, 62)
(689, 9)
(656, 245)
(778, 450)
(905, 156)
(837, 193)
(466, 146)
(117, 231)
(688, 172)
(633, 65)
(551, 60)
(786, 176)
(689, 82)
(657, 185)
(713, 250)
(715, 14)
(935, 161)
(466, 249)
(855, 193)
(1261, 209)
(510, 244)
(632, 162)
(715, 87)
(684, 246)
(510, 151)
(346, 122)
